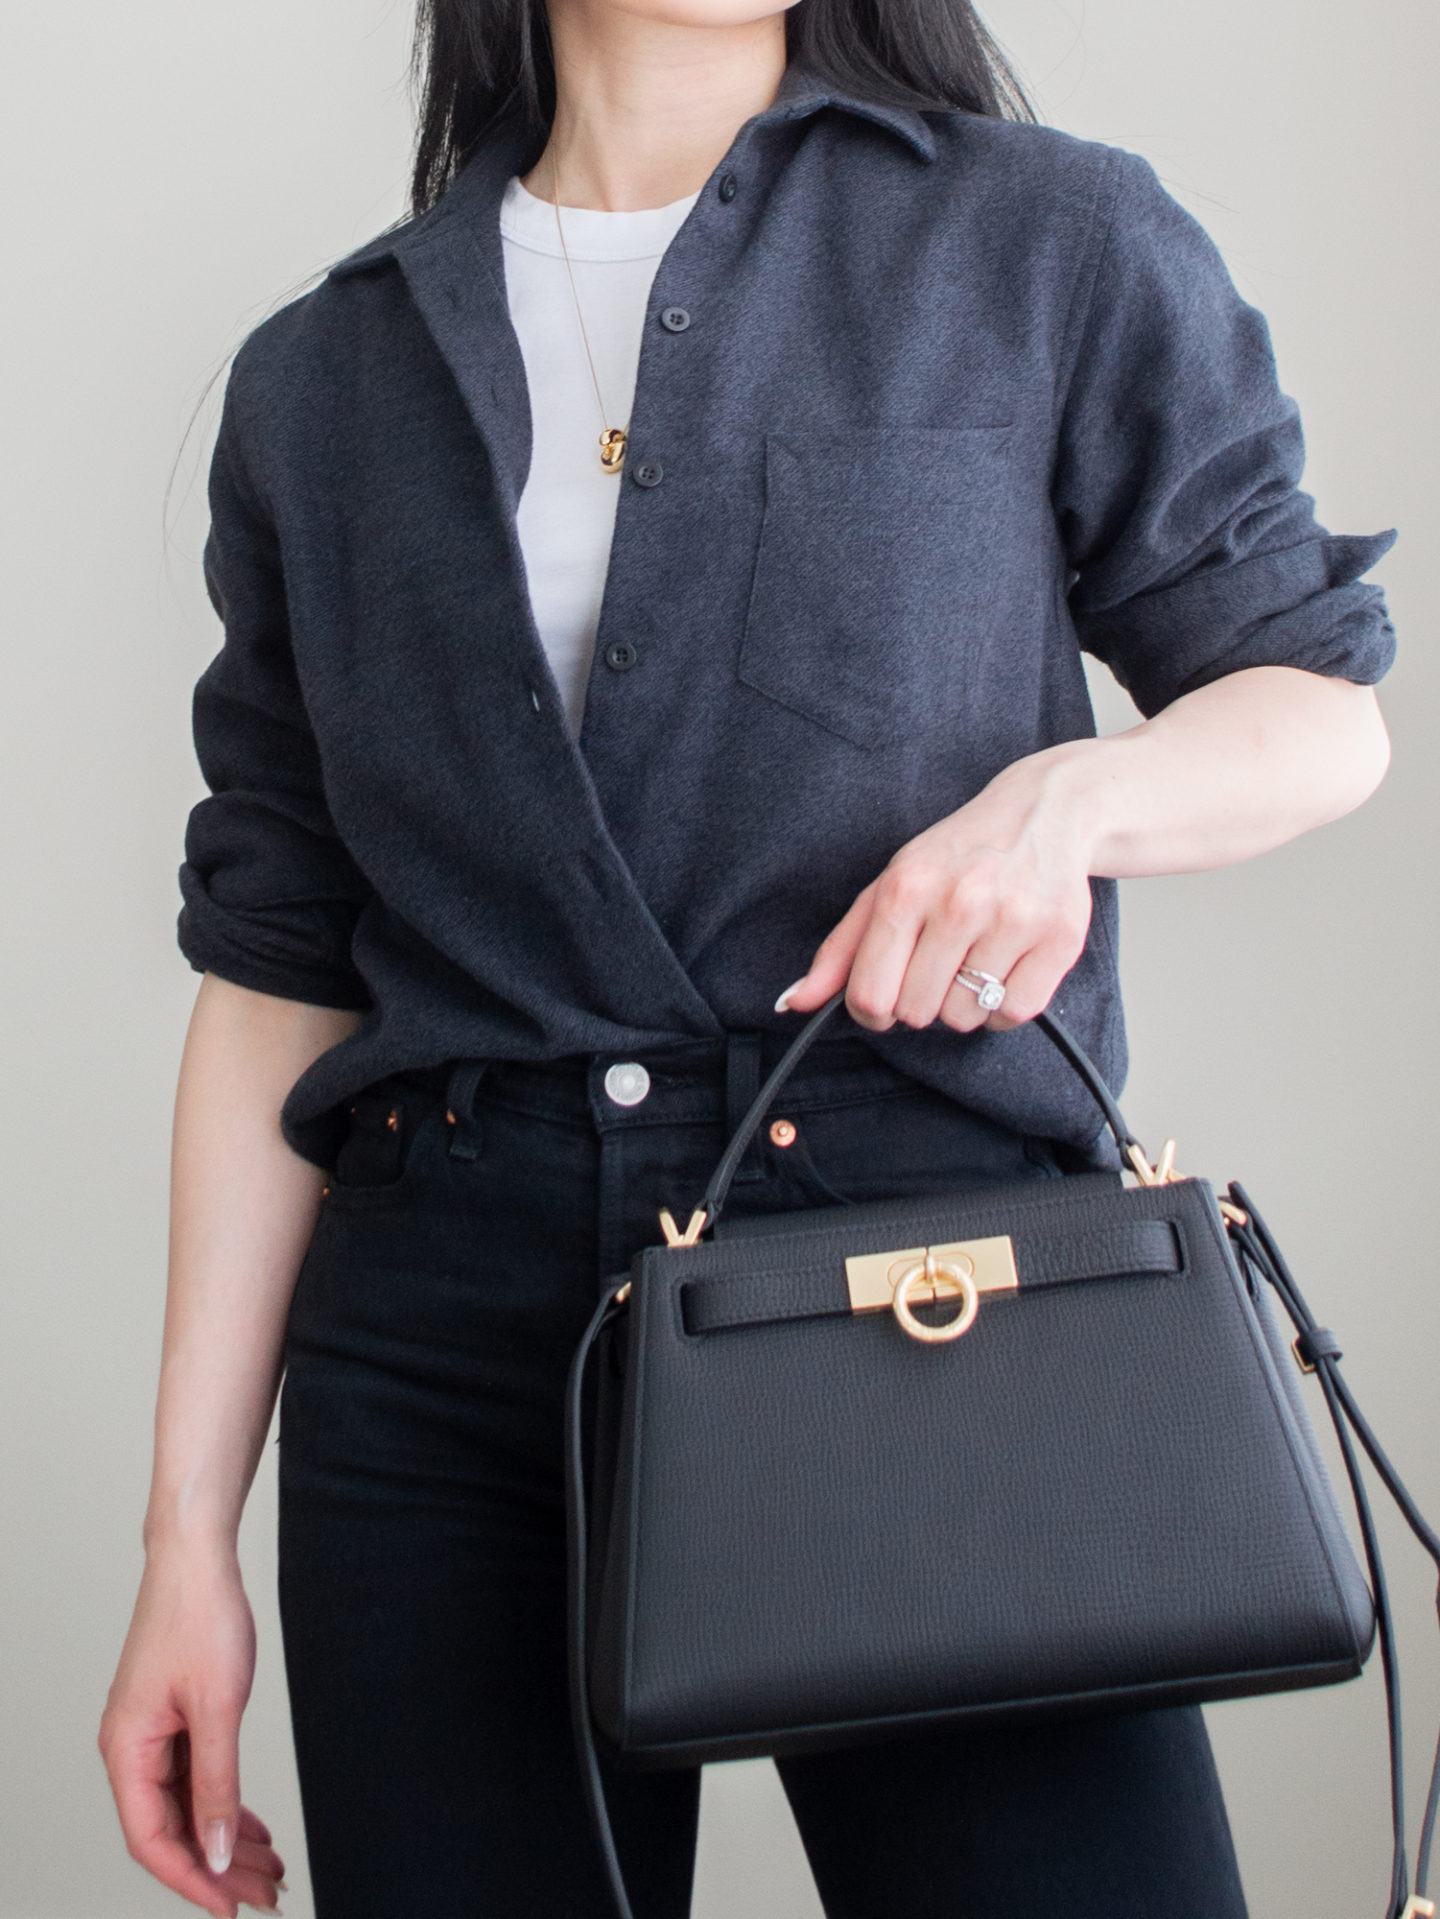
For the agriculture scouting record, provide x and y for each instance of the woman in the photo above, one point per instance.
(868, 404)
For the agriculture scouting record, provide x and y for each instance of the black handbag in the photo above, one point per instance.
(860, 1471)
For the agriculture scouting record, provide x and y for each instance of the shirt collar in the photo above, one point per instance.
(511, 144)
(804, 91)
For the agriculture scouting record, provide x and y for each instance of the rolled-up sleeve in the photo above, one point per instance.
(1194, 551)
(270, 893)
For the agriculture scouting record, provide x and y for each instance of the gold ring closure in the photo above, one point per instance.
(943, 1276)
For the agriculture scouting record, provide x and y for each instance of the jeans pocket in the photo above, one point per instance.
(376, 1154)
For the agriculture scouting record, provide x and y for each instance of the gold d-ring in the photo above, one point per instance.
(932, 1273)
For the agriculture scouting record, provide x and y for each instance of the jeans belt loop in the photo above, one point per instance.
(466, 1133)
(742, 1083)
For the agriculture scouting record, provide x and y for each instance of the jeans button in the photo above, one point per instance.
(627, 1082)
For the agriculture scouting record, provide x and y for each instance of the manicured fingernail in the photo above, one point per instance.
(219, 1846)
(782, 1005)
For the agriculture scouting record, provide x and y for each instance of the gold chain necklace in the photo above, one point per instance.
(612, 438)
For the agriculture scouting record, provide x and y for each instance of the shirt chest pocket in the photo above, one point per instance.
(880, 580)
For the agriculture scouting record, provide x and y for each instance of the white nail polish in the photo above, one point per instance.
(219, 1846)
(782, 1005)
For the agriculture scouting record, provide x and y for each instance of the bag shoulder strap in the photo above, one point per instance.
(1318, 1351)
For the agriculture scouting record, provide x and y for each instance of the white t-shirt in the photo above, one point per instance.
(567, 510)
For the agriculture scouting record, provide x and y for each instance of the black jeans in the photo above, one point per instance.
(471, 1221)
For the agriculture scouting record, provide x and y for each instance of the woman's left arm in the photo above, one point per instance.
(1242, 764)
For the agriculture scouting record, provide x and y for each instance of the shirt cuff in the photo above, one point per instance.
(1303, 606)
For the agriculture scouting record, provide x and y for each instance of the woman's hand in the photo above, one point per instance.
(170, 1737)
(1002, 885)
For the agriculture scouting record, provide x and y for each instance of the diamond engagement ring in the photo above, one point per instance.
(988, 991)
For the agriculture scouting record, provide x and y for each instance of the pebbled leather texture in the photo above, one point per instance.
(1105, 1493)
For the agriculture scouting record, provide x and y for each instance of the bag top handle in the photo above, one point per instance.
(1069, 1048)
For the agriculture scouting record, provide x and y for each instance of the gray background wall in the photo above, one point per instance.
(173, 166)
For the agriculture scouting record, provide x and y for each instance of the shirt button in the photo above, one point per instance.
(727, 187)
(621, 655)
(648, 473)
(627, 1082)
(674, 319)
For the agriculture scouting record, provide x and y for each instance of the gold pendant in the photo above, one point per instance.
(612, 448)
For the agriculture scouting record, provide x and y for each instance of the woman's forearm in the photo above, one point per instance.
(242, 1212)
(1229, 771)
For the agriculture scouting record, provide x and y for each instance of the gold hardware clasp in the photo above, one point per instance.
(1418, 1908)
(939, 1278)
(673, 1234)
(912, 1276)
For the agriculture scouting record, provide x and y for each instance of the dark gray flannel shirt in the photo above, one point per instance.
(957, 399)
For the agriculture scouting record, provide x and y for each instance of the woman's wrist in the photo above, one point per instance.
(191, 1531)
(1074, 796)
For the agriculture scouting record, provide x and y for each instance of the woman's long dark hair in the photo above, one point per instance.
(471, 55)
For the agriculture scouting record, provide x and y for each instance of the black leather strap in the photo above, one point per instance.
(1317, 1347)
(766, 1298)
(1070, 1049)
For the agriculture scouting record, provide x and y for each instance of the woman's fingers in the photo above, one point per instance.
(1033, 981)
(252, 1826)
(215, 1780)
(250, 1888)
(918, 918)
(253, 1857)
(830, 967)
(147, 1779)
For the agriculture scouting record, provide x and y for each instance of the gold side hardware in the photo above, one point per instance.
(782, 1132)
(1305, 1365)
(1162, 1173)
(960, 1270)
(623, 1294)
(673, 1234)
(1418, 1908)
